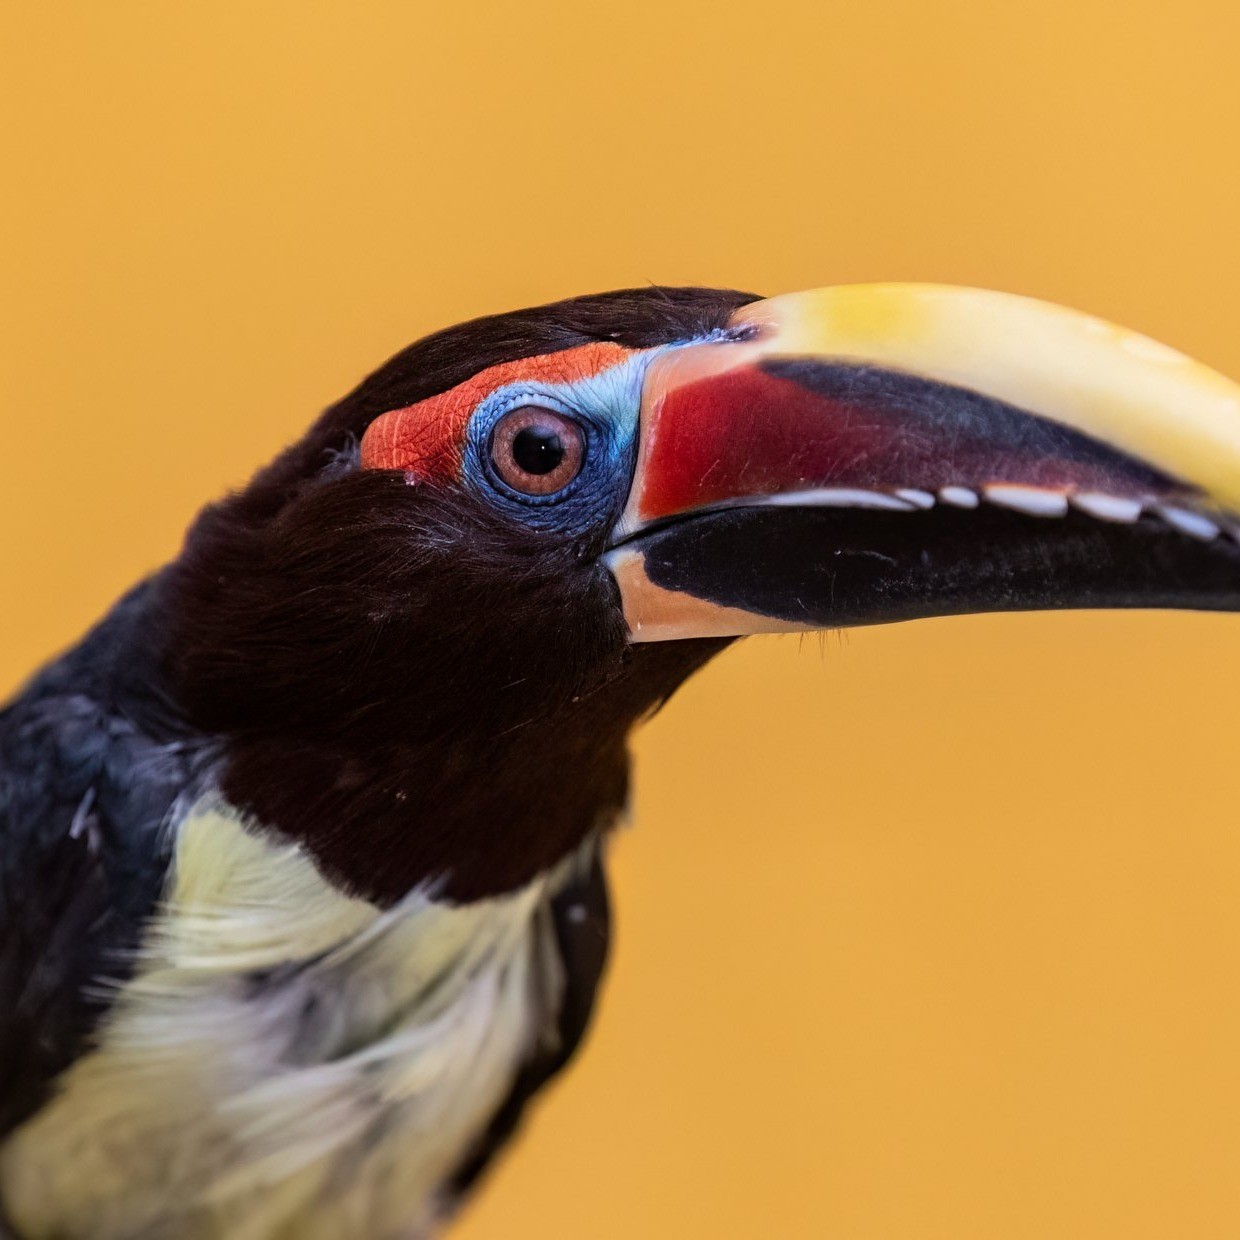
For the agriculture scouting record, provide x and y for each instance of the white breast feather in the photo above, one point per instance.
(287, 1063)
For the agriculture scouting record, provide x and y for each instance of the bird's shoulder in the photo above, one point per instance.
(85, 790)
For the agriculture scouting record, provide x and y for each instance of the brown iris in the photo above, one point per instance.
(537, 451)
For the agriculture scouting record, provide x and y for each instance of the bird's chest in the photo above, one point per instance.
(287, 1061)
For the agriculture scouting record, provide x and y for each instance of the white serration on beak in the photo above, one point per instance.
(919, 499)
(838, 497)
(959, 497)
(1189, 522)
(1107, 507)
(1036, 501)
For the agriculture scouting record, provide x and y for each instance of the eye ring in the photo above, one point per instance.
(537, 451)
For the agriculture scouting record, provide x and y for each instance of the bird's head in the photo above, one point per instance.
(424, 633)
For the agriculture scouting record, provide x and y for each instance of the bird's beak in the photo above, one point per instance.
(882, 452)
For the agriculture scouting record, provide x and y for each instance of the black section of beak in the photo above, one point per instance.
(818, 568)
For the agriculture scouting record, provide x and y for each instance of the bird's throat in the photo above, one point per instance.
(472, 812)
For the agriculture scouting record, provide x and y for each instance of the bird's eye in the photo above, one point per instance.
(537, 451)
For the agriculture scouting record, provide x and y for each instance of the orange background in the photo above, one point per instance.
(931, 931)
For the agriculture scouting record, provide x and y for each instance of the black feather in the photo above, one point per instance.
(91, 762)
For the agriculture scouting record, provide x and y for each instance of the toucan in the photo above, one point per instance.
(302, 892)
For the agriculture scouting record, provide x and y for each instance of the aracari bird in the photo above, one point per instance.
(301, 849)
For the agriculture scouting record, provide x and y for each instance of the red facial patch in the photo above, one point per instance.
(428, 438)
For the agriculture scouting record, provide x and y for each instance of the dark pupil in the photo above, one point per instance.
(538, 449)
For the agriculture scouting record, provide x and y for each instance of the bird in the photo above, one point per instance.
(302, 848)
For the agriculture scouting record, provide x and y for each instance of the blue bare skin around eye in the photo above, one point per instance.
(606, 407)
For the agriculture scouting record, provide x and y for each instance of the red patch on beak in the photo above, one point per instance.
(714, 433)
(427, 439)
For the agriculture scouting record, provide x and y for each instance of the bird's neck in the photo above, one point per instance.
(472, 795)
